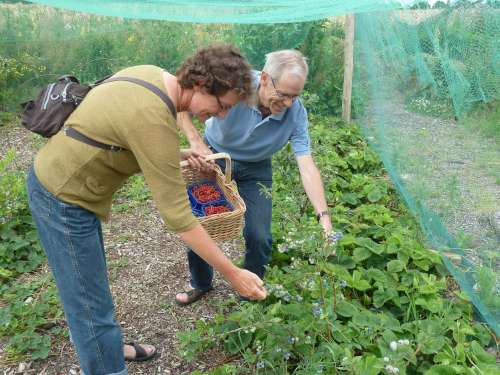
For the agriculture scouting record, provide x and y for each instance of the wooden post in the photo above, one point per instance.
(348, 67)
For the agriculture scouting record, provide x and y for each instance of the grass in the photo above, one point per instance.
(134, 193)
(8, 119)
(485, 118)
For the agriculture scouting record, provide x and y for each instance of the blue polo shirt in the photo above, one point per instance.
(246, 136)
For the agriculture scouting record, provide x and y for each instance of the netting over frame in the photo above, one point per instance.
(224, 11)
(418, 73)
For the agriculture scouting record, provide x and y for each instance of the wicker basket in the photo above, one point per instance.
(226, 225)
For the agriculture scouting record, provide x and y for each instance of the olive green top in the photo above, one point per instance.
(126, 115)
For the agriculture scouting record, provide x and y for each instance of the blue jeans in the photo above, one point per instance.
(250, 177)
(72, 239)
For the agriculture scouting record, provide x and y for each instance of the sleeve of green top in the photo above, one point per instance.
(156, 148)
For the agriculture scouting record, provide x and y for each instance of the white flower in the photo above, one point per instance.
(393, 345)
(386, 359)
(391, 369)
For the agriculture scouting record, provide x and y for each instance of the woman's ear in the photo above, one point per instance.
(199, 86)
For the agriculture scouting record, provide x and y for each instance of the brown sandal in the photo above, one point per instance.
(193, 296)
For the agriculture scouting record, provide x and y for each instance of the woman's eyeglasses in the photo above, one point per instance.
(223, 107)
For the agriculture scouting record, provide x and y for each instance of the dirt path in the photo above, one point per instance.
(147, 265)
(454, 171)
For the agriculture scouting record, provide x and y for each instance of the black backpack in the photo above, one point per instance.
(46, 114)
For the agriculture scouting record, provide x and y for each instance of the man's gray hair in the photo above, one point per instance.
(289, 60)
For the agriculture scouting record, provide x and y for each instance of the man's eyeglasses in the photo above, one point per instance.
(281, 94)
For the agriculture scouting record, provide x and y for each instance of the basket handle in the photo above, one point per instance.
(219, 155)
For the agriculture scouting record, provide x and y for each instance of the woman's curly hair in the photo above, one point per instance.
(219, 69)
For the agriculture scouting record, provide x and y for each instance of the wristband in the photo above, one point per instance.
(321, 214)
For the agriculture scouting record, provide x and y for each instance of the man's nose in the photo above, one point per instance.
(288, 102)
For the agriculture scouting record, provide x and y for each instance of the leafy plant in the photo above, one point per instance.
(372, 301)
(19, 249)
(32, 316)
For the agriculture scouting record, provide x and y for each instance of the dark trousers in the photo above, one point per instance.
(252, 180)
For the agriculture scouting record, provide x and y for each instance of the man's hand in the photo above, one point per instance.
(248, 284)
(326, 223)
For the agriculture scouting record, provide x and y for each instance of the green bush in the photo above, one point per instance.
(324, 49)
(19, 249)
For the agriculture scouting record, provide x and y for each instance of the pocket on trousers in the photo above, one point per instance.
(77, 219)
(40, 204)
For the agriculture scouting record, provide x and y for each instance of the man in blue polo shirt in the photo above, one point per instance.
(251, 133)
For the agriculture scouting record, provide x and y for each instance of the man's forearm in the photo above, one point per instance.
(313, 184)
(315, 192)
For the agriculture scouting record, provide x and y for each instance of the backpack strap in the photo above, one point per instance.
(150, 87)
(70, 132)
(75, 134)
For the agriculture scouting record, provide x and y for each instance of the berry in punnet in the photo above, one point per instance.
(206, 193)
(212, 210)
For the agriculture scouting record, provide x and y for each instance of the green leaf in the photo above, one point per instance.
(350, 198)
(381, 296)
(431, 303)
(358, 283)
(346, 309)
(377, 275)
(360, 254)
(237, 341)
(440, 370)
(481, 354)
(430, 345)
(367, 365)
(374, 195)
(371, 245)
(395, 266)
(42, 352)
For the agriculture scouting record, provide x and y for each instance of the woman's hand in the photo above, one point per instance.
(197, 160)
(247, 284)
(195, 156)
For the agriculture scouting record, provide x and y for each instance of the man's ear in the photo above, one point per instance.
(264, 79)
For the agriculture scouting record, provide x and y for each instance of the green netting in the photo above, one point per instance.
(424, 81)
(224, 11)
(420, 73)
